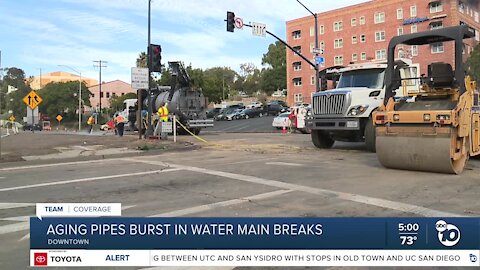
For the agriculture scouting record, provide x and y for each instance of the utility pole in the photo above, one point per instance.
(317, 83)
(100, 64)
(149, 131)
(1, 73)
(79, 96)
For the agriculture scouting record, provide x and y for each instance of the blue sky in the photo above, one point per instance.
(44, 34)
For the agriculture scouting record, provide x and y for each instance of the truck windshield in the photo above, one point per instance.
(369, 78)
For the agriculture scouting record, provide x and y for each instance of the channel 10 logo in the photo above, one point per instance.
(448, 234)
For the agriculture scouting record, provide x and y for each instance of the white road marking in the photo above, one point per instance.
(87, 179)
(20, 218)
(16, 227)
(1, 177)
(284, 164)
(393, 205)
(58, 164)
(212, 206)
(14, 205)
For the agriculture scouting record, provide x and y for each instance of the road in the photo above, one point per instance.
(240, 175)
(258, 124)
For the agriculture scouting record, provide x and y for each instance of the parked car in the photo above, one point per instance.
(222, 115)
(213, 112)
(281, 102)
(254, 104)
(253, 112)
(275, 109)
(281, 121)
(27, 126)
(234, 115)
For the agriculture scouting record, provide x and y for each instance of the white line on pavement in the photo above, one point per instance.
(14, 205)
(212, 206)
(57, 164)
(1, 177)
(399, 206)
(284, 164)
(16, 227)
(87, 179)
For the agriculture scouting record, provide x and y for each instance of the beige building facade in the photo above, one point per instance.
(37, 82)
(109, 90)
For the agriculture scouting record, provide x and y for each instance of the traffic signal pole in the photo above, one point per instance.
(149, 130)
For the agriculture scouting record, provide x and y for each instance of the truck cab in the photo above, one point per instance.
(344, 113)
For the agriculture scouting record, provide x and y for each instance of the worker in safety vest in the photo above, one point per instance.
(90, 123)
(120, 123)
(163, 112)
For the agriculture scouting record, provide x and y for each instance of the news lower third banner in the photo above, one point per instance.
(132, 241)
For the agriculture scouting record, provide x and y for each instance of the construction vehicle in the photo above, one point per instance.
(344, 113)
(183, 99)
(437, 128)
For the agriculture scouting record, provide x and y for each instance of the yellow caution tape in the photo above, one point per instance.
(195, 136)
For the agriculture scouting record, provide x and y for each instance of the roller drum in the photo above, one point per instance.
(418, 152)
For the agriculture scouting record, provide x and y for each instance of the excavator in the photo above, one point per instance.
(436, 128)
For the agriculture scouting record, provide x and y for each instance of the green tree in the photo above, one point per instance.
(473, 63)
(142, 60)
(274, 76)
(61, 98)
(14, 77)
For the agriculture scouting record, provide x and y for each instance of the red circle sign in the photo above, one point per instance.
(238, 23)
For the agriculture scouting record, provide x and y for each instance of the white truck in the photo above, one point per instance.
(344, 113)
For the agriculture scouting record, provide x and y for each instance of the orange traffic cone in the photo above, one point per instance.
(284, 130)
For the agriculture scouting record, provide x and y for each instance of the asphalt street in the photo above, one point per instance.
(240, 175)
(257, 124)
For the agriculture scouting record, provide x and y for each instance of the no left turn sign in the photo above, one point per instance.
(238, 23)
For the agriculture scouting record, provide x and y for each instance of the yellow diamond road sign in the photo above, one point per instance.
(32, 99)
(59, 118)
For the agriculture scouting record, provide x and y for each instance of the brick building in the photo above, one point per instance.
(360, 33)
(37, 82)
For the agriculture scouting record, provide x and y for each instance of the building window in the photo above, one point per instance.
(108, 94)
(322, 45)
(461, 7)
(297, 34)
(338, 60)
(93, 95)
(437, 47)
(312, 80)
(322, 29)
(354, 57)
(380, 36)
(381, 54)
(436, 25)
(101, 94)
(298, 49)
(413, 28)
(312, 31)
(436, 7)
(297, 66)
(363, 38)
(399, 31)
(414, 50)
(362, 20)
(338, 43)
(337, 26)
(298, 98)
(312, 45)
(413, 11)
(379, 17)
(297, 81)
(123, 94)
(353, 22)
(114, 94)
(399, 14)
(354, 39)
(363, 56)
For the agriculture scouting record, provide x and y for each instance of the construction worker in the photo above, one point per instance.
(90, 123)
(163, 112)
(120, 124)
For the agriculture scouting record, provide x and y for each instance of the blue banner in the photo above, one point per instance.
(130, 233)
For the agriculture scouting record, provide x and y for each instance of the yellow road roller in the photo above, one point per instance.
(436, 128)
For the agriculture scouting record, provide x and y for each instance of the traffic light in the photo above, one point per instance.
(156, 54)
(230, 21)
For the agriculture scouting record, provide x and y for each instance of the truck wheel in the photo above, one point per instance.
(321, 139)
(370, 136)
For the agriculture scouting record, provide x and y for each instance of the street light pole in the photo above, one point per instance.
(317, 83)
(79, 96)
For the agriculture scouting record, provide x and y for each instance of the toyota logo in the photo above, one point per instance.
(40, 259)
